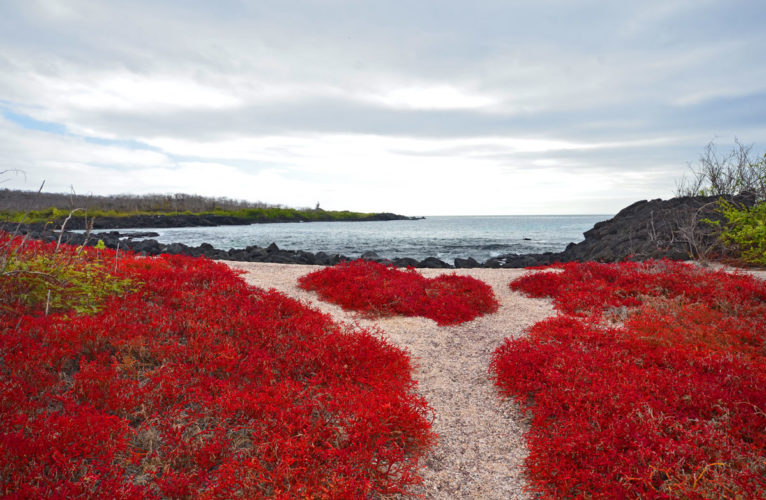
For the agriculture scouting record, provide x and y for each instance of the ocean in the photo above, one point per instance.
(443, 237)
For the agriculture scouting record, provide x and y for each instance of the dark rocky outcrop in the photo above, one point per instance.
(673, 229)
(523, 260)
(370, 255)
(651, 229)
(405, 262)
(134, 235)
(159, 221)
(466, 263)
(433, 263)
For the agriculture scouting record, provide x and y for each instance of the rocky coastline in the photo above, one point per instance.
(675, 229)
(209, 220)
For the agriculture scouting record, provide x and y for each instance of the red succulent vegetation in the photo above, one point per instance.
(190, 383)
(651, 382)
(378, 290)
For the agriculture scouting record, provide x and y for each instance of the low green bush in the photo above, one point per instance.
(68, 279)
(745, 231)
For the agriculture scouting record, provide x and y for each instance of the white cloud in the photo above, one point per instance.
(433, 97)
(126, 92)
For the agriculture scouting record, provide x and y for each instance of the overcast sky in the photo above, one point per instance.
(417, 107)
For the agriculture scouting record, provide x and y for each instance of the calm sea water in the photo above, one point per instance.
(446, 238)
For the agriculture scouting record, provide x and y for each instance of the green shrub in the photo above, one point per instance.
(745, 230)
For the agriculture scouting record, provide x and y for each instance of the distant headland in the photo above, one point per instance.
(160, 211)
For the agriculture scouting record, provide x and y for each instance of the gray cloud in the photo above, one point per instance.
(723, 116)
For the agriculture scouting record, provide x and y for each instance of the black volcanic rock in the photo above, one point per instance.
(433, 263)
(179, 249)
(386, 216)
(405, 262)
(150, 221)
(254, 253)
(323, 259)
(466, 263)
(132, 235)
(146, 247)
(674, 229)
(371, 255)
(523, 260)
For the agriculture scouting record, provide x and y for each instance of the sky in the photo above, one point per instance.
(428, 107)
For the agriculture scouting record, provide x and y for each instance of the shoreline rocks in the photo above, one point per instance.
(673, 229)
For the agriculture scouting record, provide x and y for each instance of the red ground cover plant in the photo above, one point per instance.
(378, 290)
(651, 382)
(192, 384)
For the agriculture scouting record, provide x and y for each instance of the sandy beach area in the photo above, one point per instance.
(481, 449)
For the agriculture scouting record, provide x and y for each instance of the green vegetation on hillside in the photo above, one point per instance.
(31, 207)
(53, 214)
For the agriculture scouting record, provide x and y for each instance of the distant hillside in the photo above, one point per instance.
(159, 210)
(15, 201)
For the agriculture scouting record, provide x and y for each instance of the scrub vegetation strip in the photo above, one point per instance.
(38, 207)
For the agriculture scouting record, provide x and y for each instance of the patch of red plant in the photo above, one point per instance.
(374, 289)
(197, 385)
(650, 383)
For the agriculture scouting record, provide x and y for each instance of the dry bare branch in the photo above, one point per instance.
(63, 226)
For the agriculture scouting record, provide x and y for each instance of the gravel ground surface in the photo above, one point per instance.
(481, 449)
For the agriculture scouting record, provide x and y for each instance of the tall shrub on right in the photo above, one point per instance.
(745, 231)
(734, 173)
